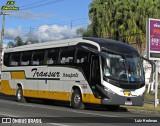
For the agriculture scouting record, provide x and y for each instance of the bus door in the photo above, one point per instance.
(42, 82)
(95, 74)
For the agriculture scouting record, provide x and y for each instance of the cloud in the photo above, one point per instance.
(13, 33)
(44, 33)
(29, 15)
(55, 32)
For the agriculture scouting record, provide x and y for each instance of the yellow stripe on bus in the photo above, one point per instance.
(5, 88)
(47, 94)
(89, 98)
(18, 75)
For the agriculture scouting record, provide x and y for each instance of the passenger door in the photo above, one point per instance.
(95, 74)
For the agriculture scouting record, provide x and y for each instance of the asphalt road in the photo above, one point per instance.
(60, 114)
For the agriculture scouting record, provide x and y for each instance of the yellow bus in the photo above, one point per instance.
(82, 70)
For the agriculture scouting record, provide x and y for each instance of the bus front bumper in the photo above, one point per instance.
(115, 99)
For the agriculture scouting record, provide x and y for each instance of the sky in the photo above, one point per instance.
(45, 20)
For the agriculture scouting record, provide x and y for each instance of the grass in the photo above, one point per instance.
(146, 107)
(150, 96)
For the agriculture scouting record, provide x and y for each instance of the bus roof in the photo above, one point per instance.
(116, 46)
(109, 44)
(49, 44)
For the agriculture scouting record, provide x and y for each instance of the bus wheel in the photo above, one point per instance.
(19, 95)
(76, 100)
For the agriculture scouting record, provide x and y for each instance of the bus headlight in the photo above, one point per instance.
(108, 90)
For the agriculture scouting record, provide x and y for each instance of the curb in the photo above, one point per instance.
(143, 111)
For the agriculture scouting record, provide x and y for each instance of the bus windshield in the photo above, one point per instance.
(121, 67)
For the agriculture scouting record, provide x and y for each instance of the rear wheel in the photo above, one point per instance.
(76, 100)
(19, 95)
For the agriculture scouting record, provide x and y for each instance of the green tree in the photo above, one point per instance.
(88, 32)
(80, 31)
(10, 44)
(123, 20)
(19, 42)
(31, 41)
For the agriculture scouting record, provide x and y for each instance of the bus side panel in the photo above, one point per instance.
(58, 90)
(7, 85)
(6, 88)
(58, 86)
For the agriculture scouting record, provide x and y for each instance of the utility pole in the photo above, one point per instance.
(71, 23)
(31, 32)
(2, 34)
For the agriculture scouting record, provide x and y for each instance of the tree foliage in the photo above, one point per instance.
(19, 42)
(123, 20)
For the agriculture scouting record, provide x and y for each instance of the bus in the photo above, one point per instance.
(80, 70)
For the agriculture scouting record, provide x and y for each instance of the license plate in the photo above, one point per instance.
(128, 102)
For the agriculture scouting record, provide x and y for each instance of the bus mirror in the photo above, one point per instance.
(151, 62)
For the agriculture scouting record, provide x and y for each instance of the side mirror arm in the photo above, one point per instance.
(151, 62)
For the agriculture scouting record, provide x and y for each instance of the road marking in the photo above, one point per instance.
(8, 115)
(48, 107)
(57, 124)
(89, 113)
(71, 110)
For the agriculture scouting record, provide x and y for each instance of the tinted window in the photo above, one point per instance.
(95, 67)
(82, 56)
(15, 58)
(6, 59)
(38, 57)
(52, 56)
(67, 55)
(26, 58)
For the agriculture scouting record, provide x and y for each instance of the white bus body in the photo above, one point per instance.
(71, 70)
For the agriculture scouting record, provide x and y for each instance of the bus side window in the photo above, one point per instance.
(52, 56)
(95, 67)
(6, 59)
(38, 57)
(67, 55)
(82, 56)
(26, 58)
(15, 59)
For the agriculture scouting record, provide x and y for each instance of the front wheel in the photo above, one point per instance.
(19, 95)
(76, 100)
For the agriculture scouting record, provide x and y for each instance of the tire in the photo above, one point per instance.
(76, 100)
(19, 95)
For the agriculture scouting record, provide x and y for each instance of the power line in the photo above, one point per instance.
(32, 3)
(41, 5)
(79, 21)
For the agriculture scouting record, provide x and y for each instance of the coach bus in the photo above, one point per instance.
(82, 70)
